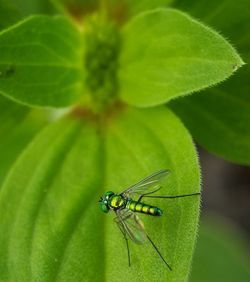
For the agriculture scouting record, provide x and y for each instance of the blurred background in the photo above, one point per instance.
(222, 251)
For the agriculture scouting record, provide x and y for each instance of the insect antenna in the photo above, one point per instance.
(158, 252)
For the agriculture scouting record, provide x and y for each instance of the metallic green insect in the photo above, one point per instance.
(125, 207)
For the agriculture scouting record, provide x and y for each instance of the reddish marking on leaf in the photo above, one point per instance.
(103, 117)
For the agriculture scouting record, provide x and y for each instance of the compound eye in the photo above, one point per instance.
(104, 207)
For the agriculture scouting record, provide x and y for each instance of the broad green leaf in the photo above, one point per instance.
(221, 254)
(40, 62)
(136, 7)
(79, 4)
(219, 118)
(31, 7)
(122, 10)
(138, 144)
(228, 16)
(51, 225)
(11, 115)
(8, 14)
(167, 54)
(18, 125)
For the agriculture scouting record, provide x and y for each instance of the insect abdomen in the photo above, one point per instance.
(143, 208)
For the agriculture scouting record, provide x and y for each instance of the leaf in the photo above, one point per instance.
(8, 14)
(19, 124)
(16, 125)
(221, 254)
(11, 114)
(40, 62)
(31, 7)
(226, 16)
(79, 4)
(52, 228)
(122, 10)
(171, 55)
(219, 118)
(139, 145)
(136, 7)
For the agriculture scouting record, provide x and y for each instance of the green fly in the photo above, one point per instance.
(129, 202)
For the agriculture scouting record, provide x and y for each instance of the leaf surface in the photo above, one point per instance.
(18, 125)
(8, 14)
(167, 54)
(124, 9)
(31, 7)
(40, 62)
(139, 144)
(52, 228)
(136, 7)
(219, 118)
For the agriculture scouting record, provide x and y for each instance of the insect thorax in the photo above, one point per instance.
(117, 202)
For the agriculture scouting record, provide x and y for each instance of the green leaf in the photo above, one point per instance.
(40, 62)
(11, 114)
(79, 4)
(136, 7)
(124, 9)
(51, 225)
(31, 7)
(221, 253)
(219, 118)
(121, 10)
(8, 14)
(167, 54)
(18, 125)
(139, 145)
(228, 16)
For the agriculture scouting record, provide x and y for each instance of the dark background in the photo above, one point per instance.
(226, 190)
(222, 252)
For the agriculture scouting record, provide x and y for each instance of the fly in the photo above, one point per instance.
(129, 202)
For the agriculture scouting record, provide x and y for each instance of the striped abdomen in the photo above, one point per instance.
(143, 208)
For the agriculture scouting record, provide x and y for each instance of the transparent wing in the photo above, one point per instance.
(130, 224)
(148, 185)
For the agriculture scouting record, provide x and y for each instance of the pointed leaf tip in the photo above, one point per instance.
(167, 54)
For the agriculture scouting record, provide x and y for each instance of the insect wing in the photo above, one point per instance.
(132, 225)
(147, 185)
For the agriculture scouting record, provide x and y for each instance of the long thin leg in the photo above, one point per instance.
(158, 252)
(129, 260)
(121, 227)
(171, 197)
(143, 195)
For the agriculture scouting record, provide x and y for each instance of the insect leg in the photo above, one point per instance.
(173, 197)
(129, 260)
(121, 227)
(158, 252)
(145, 195)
